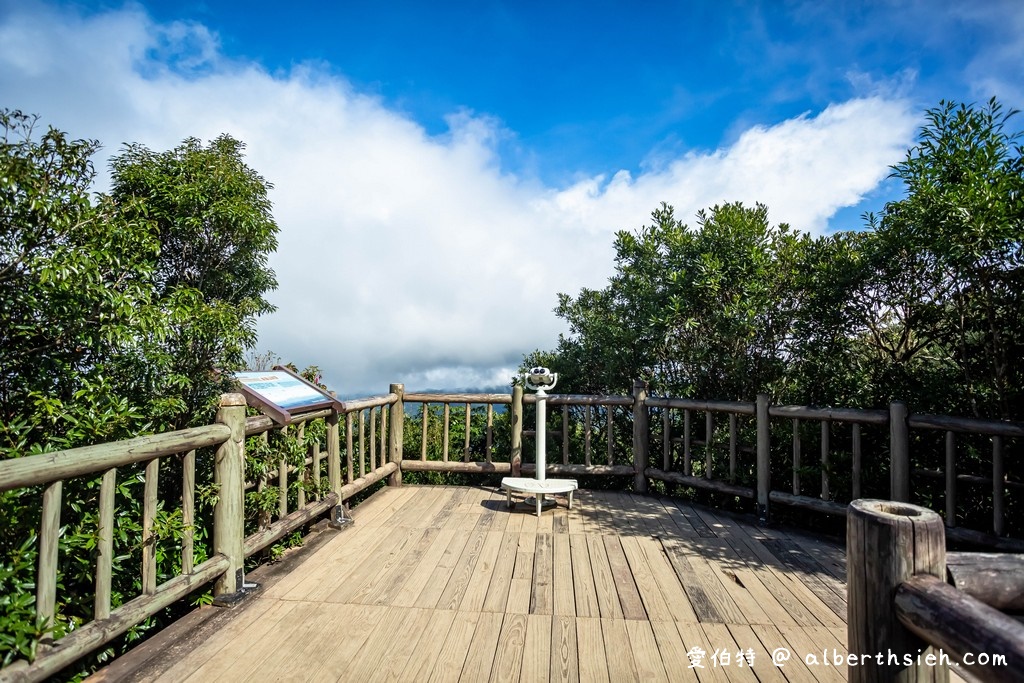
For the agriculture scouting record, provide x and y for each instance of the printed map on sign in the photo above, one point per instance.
(281, 393)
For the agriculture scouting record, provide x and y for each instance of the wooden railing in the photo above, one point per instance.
(458, 457)
(598, 436)
(230, 546)
(905, 621)
(731, 448)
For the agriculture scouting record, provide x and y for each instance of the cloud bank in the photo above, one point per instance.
(405, 256)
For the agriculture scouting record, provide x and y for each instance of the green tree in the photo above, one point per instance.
(702, 312)
(825, 361)
(946, 293)
(115, 314)
(212, 215)
(75, 297)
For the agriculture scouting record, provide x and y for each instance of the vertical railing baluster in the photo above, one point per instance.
(469, 416)
(687, 464)
(349, 449)
(586, 435)
(950, 479)
(300, 476)
(608, 413)
(732, 448)
(316, 470)
(998, 487)
(373, 439)
(263, 516)
(149, 505)
(188, 511)
(709, 437)
(105, 544)
(46, 578)
(796, 457)
(857, 461)
(825, 433)
(447, 428)
(383, 443)
(362, 443)
(666, 440)
(423, 431)
(282, 479)
(565, 434)
(490, 430)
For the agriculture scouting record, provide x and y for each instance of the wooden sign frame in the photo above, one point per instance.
(281, 393)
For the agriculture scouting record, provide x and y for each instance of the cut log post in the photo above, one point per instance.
(886, 544)
(641, 442)
(229, 512)
(395, 436)
(517, 430)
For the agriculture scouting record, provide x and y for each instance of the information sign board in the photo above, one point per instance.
(280, 393)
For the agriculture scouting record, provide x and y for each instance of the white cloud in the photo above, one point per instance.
(407, 257)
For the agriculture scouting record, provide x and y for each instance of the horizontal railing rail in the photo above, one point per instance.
(47, 468)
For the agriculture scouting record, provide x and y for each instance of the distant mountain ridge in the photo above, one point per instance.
(494, 389)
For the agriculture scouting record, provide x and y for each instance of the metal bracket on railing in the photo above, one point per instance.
(341, 518)
(244, 588)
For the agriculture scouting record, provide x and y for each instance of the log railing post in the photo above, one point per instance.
(886, 544)
(516, 456)
(764, 463)
(899, 452)
(229, 512)
(641, 436)
(395, 433)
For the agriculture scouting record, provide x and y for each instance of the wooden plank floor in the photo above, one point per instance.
(446, 584)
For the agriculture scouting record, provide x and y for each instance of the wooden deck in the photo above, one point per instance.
(445, 584)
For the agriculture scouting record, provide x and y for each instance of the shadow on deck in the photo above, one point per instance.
(445, 583)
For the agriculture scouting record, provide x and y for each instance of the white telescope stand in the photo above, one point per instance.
(540, 380)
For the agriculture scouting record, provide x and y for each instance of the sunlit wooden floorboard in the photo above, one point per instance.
(447, 584)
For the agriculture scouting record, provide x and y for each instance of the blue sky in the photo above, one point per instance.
(422, 153)
(589, 86)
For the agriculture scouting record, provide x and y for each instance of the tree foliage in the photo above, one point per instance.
(117, 313)
(704, 311)
(74, 293)
(946, 264)
(212, 216)
(925, 305)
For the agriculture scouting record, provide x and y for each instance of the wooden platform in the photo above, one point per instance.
(445, 584)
